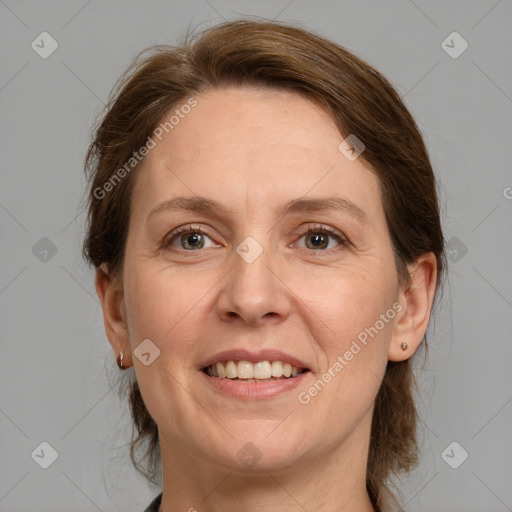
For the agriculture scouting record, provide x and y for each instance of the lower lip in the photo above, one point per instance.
(254, 390)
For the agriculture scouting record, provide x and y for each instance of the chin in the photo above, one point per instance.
(263, 449)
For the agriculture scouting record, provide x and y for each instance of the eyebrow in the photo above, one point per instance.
(309, 205)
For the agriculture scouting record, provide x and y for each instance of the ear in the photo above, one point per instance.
(412, 321)
(111, 295)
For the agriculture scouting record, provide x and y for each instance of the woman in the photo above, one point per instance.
(264, 225)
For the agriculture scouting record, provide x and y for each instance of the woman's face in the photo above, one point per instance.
(257, 278)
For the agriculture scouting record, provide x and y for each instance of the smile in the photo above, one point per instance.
(253, 381)
(262, 371)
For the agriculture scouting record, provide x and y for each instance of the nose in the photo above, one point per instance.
(254, 293)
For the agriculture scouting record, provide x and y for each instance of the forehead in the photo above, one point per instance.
(259, 145)
(247, 117)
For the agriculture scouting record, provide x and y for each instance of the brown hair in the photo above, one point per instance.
(361, 102)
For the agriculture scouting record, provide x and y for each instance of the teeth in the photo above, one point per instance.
(221, 372)
(231, 370)
(245, 370)
(277, 369)
(263, 370)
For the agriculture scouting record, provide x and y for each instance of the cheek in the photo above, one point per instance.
(157, 306)
(171, 310)
(348, 305)
(352, 326)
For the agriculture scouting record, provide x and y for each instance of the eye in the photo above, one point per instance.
(317, 238)
(188, 237)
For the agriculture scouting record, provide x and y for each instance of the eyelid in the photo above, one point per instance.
(169, 238)
(311, 227)
(322, 228)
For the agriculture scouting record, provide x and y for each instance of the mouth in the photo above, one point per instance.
(253, 372)
(248, 375)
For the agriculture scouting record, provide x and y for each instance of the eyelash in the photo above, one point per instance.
(311, 228)
(318, 228)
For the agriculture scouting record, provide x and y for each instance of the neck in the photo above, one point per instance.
(333, 481)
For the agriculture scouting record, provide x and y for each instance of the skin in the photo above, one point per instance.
(253, 150)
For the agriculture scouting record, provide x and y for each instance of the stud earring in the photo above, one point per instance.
(120, 361)
(404, 345)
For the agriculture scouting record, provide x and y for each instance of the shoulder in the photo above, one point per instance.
(155, 504)
(387, 501)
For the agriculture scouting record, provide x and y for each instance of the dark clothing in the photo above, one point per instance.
(155, 504)
(387, 503)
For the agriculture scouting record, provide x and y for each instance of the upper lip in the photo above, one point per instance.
(253, 357)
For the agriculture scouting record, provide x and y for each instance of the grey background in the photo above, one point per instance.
(55, 359)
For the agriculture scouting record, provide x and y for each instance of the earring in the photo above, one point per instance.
(120, 361)
(404, 345)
